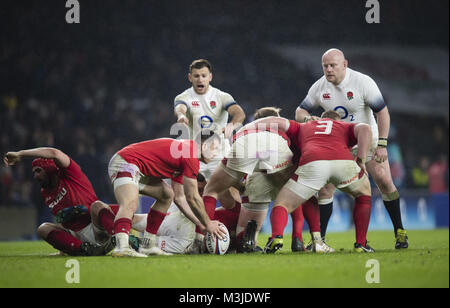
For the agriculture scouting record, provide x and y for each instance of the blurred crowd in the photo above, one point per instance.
(92, 88)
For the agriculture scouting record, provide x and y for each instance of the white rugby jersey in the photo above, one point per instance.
(209, 110)
(355, 98)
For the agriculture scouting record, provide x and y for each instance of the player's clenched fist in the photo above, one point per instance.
(11, 158)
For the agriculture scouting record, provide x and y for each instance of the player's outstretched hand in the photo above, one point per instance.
(183, 120)
(380, 155)
(214, 228)
(11, 158)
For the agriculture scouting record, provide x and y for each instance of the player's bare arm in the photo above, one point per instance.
(278, 123)
(237, 115)
(182, 204)
(196, 203)
(181, 113)
(61, 159)
(363, 134)
(384, 122)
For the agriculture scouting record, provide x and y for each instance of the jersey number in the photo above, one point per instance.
(328, 125)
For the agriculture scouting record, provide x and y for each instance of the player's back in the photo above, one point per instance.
(325, 140)
(160, 157)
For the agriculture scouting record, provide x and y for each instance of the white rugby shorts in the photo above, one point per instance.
(262, 151)
(122, 172)
(311, 177)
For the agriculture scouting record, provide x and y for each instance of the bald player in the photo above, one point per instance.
(356, 97)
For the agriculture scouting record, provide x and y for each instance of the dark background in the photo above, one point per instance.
(91, 88)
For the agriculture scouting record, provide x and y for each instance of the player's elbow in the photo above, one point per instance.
(364, 131)
(300, 114)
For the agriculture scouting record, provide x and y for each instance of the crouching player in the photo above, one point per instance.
(325, 158)
(67, 191)
(260, 191)
(142, 168)
(176, 234)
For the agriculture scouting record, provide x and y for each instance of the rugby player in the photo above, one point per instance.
(356, 97)
(260, 191)
(141, 168)
(325, 157)
(67, 191)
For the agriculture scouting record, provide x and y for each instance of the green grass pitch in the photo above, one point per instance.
(424, 264)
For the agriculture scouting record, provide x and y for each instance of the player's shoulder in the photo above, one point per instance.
(321, 82)
(222, 95)
(184, 95)
(361, 78)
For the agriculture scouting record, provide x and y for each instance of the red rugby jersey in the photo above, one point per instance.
(323, 140)
(74, 188)
(164, 158)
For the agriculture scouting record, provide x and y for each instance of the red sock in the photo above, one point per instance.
(278, 220)
(297, 223)
(122, 225)
(64, 241)
(154, 221)
(228, 217)
(106, 219)
(236, 208)
(361, 217)
(312, 214)
(210, 205)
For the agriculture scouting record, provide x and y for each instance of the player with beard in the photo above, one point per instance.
(67, 191)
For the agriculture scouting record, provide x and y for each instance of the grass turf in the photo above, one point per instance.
(424, 264)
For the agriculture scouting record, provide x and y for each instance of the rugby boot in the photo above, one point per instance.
(401, 239)
(274, 244)
(362, 249)
(89, 249)
(248, 240)
(297, 245)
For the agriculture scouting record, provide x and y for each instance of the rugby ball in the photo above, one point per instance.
(217, 246)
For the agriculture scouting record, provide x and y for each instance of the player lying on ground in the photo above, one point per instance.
(357, 98)
(67, 191)
(141, 168)
(325, 157)
(260, 190)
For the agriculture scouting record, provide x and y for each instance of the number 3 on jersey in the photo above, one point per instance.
(328, 125)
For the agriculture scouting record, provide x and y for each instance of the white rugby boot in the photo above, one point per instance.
(319, 245)
(123, 249)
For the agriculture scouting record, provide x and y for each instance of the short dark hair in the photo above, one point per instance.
(267, 112)
(200, 63)
(331, 114)
(206, 135)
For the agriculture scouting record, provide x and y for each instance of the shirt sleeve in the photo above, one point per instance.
(73, 170)
(293, 130)
(191, 167)
(351, 134)
(227, 100)
(372, 95)
(180, 100)
(311, 102)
